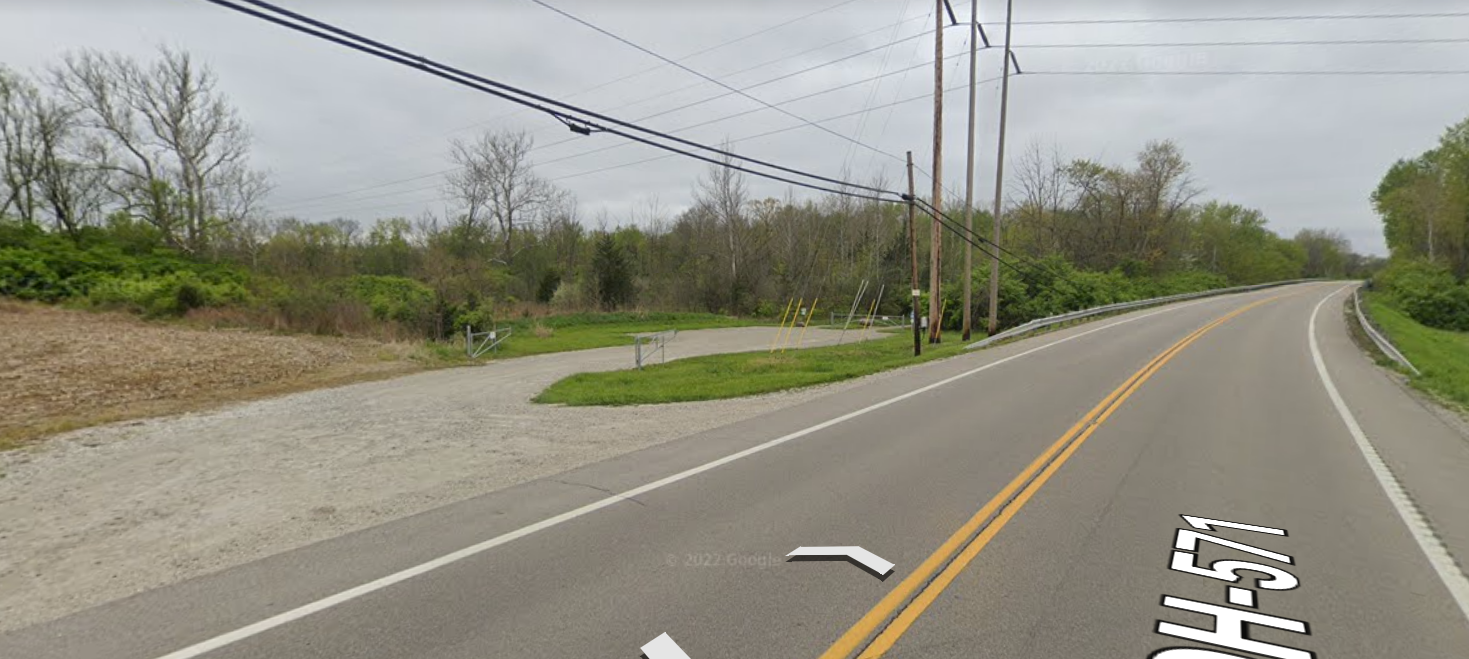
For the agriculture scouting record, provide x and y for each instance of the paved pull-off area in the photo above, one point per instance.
(1230, 477)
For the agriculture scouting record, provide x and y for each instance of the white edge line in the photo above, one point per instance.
(1438, 556)
(350, 594)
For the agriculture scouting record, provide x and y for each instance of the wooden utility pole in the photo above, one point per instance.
(935, 279)
(913, 255)
(1000, 177)
(969, 171)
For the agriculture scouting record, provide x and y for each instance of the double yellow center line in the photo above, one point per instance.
(903, 608)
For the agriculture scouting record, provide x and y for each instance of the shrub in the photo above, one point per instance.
(397, 299)
(1188, 281)
(24, 274)
(173, 294)
(50, 267)
(546, 290)
(481, 319)
(1427, 292)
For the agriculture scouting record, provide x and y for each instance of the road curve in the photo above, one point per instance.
(1030, 496)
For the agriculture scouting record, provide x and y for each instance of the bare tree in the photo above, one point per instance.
(18, 139)
(176, 148)
(43, 172)
(73, 190)
(1041, 185)
(494, 179)
(721, 195)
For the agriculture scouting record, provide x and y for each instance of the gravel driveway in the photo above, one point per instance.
(106, 512)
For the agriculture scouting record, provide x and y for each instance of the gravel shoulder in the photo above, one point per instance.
(102, 513)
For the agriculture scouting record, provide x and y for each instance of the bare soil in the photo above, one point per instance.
(63, 369)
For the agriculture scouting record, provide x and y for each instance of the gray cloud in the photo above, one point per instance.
(1305, 150)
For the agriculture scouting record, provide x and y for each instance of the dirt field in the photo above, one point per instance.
(104, 512)
(62, 369)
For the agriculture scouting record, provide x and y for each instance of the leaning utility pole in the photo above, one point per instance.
(969, 171)
(913, 255)
(1000, 177)
(935, 279)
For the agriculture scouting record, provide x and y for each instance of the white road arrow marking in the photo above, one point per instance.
(870, 560)
(663, 647)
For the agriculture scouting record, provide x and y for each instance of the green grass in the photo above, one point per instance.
(1441, 355)
(740, 374)
(584, 331)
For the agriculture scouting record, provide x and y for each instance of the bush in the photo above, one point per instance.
(481, 319)
(1188, 281)
(38, 265)
(546, 290)
(24, 274)
(570, 295)
(1427, 292)
(173, 294)
(397, 299)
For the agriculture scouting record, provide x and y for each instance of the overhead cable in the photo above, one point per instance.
(573, 116)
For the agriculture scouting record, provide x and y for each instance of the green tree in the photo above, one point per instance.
(1326, 252)
(613, 271)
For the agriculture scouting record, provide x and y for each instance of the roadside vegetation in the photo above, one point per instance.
(1421, 298)
(96, 211)
(715, 377)
(1442, 356)
(602, 330)
(127, 185)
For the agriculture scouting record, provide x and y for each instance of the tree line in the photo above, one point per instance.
(110, 162)
(1424, 205)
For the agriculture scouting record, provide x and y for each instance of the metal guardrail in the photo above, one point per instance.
(1042, 323)
(1377, 337)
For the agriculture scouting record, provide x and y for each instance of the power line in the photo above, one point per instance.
(887, 55)
(887, 120)
(1224, 44)
(308, 200)
(968, 237)
(1246, 19)
(643, 161)
(716, 81)
(566, 112)
(1251, 73)
(979, 242)
(742, 113)
(651, 69)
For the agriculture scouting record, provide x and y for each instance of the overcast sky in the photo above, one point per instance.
(342, 133)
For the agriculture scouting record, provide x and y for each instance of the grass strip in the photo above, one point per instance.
(716, 377)
(585, 331)
(1441, 355)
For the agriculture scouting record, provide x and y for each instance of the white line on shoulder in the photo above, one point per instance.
(1433, 547)
(330, 601)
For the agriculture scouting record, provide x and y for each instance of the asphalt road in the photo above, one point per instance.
(1031, 497)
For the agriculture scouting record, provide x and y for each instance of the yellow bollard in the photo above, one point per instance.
(795, 313)
(783, 315)
(809, 316)
(870, 314)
